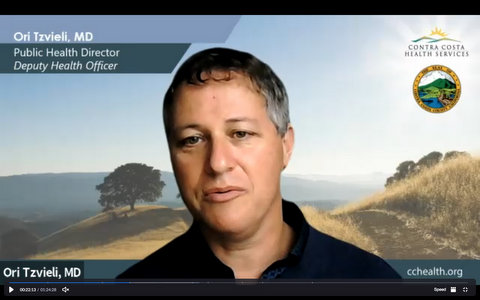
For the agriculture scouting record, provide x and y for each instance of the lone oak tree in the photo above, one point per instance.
(129, 184)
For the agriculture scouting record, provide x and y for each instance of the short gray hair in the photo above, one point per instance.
(223, 59)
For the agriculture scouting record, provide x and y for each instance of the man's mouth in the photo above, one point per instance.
(223, 194)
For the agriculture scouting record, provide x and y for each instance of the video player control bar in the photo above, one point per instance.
(244, 287)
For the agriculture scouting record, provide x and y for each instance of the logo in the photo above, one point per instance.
(436, 89)
(437, 35)
(436, 44)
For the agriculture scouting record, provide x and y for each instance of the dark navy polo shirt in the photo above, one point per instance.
(314, 255)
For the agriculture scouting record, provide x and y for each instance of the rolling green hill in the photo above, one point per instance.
(439, 84)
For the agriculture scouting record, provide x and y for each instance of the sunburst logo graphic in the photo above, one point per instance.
(438, 32)
(435, 36)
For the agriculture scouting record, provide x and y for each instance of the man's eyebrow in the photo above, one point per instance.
(230, 120)
(193, 125)
(241, 119)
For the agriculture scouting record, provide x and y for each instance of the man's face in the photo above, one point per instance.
(227, 154)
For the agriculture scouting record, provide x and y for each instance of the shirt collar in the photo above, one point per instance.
(292, 215)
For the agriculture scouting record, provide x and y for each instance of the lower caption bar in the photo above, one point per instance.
(464, 287)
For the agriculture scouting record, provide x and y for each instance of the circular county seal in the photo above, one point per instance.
(436, 89)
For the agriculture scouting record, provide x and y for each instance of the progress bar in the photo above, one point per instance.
(464, 287)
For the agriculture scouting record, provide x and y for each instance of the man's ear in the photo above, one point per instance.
(288, 140)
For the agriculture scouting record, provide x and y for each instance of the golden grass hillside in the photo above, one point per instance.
(342, 228)
(443, 202)
(119, 234)
(125, 234)
(410, 219)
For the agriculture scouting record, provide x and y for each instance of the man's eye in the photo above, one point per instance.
(240, 134)
(191, 140)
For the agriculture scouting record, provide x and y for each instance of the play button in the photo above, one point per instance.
(10, 289)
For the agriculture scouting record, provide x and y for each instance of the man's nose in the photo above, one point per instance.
(220, 157)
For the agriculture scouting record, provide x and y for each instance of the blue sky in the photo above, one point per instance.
(350, 100)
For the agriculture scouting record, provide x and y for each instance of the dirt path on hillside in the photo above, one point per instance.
(397, 241)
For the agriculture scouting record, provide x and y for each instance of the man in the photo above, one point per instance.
(229, 135)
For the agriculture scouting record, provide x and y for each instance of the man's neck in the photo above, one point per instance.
(250, 254)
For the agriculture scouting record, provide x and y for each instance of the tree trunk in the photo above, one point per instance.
(132, 205)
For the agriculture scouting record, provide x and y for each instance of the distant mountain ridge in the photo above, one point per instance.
(374, 180)
(34, 196)
(37, 196)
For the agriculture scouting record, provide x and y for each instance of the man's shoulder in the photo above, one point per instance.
(163, 262)
(187, 256)
(339, 259)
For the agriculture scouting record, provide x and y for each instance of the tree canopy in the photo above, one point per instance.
(128, 184)
(409, 167)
